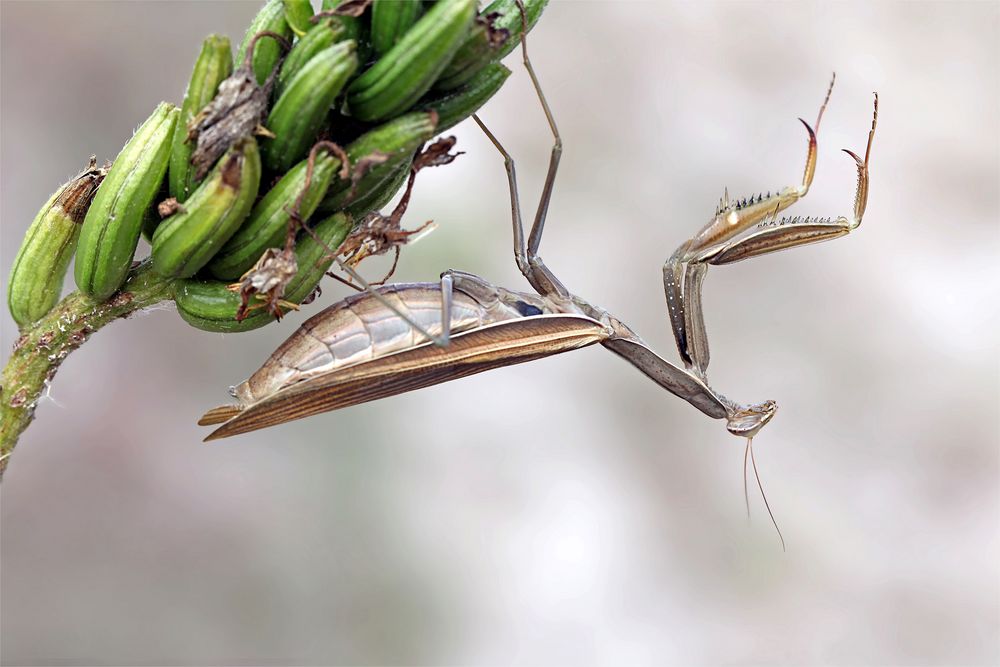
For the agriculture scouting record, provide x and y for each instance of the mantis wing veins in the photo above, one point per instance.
(500, 344)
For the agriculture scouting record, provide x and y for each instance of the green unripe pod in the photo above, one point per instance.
(355, 28)
(478, 50)
(110, 232)
(268, 221)
(214, 65)
(456, 105)
(300, 112)
(409, 69)
(510, 20)
(211, 306)
(397, 140)
(36, 278)
(298, 13)
(379, 194)
(187, 240)
(150, 221)
(470, 57)
(151, 218)
(321, 36)
(390, 21)
(267, 52)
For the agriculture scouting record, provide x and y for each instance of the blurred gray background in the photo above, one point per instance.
(566, 511)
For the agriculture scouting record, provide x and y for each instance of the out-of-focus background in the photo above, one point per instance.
(565, 511)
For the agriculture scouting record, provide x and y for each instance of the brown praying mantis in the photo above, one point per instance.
(403, 336)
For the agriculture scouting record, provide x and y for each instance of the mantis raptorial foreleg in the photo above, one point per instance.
(681, 276)
(726, 240)
(784, 233)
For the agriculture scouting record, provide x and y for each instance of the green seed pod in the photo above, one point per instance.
(488, 43)
(37, 276)
(187, 240)
(510, 20)
(110, 232)
(379, 194)
(409, 69)
(390, 21)
(211, 306)
(456, 105)
(321, 36)
(471, 56)
(151, 218)
(267, 52)
(355, 27)
(268, 222)
(302, 108)
(298, 13)
(397, 140)
(214, 65)
(150, 221)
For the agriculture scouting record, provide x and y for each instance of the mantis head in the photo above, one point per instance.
(746, 422)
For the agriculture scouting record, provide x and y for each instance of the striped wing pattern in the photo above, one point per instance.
(492, 346)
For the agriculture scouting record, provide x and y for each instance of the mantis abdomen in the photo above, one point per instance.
(359, 329)
(360, 349)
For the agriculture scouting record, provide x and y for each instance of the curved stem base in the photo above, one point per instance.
(42, 346)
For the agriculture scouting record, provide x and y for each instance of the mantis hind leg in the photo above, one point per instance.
(526, 252)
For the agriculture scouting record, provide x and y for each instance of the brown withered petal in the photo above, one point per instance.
(168, 207)
(354, 8)
(496, 37)
(75, 196)
(362, 167)
(436, 154)
(266, 282)
(236, 112)
(377, 233)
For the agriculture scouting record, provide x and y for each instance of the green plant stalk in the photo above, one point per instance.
(43, 346)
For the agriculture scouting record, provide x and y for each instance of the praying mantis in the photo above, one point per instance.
(403, 336)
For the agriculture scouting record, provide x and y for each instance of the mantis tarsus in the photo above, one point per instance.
(399, 337)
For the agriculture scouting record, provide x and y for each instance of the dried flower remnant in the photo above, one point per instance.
(377, 234)
(361, 169)
(168, 207)
(295, 221)
(352, 8)
(270, 276)
(237, 111)
(75, 197)
(495, 36)
(266, 281)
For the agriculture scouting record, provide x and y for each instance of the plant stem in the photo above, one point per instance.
(42, 346)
